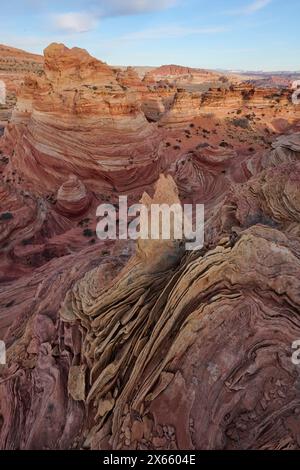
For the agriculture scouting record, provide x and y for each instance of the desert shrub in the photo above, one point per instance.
(27, 241)
(88, 232)
(6, 216)
(224, 144)
(242, 122)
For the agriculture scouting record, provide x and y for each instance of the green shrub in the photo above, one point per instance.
(88, 232)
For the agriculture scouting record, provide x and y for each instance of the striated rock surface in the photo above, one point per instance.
(121, 344)
(186, 106)
(78, 119)
(271, 106)
(41, 351)
(213, 344)
(14, 65)
(157, 101)
(180, 75)
(209, 331)
(72, 197)
(129, 78)
(285, 149)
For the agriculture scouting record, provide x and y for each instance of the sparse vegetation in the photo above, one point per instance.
(88, 232)
(27, 241)
(84, 222)
(224, 144)
(241, 122)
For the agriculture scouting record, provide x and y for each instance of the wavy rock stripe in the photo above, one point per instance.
(151, 351)
(112, 345)
(78, 119)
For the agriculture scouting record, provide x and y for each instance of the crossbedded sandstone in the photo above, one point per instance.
(124, 345)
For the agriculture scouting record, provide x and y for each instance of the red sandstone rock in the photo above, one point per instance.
(72, 197)
(179, 75)
(79, 119)
(111, 346)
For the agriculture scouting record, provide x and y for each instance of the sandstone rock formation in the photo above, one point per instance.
(285, 149)
(186, 106)
(14, 65)
(268, 105)
(130, 79)
(79, 119)
(179, 75)
(122, 344)
(72, 197)
(207, 332)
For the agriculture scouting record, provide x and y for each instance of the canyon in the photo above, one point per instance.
(122, 344)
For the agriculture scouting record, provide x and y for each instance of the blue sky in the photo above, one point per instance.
(229, 34)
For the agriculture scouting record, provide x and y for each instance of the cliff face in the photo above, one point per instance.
(143, 345)
(79, 119)
(14, 65)
(268, 104)
(130, 80)
(185, 107)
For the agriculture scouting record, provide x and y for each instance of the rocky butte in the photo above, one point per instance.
(142, 345)
(78, 118)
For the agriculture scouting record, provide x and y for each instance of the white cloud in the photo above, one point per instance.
(251, 7)
(75, 22)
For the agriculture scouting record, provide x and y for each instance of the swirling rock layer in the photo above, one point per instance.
(116, 344)
(72, 197)
(78, 119)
